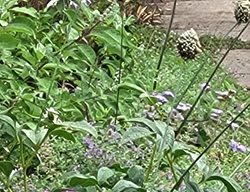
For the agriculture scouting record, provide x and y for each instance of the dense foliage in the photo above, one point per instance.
(78, 111)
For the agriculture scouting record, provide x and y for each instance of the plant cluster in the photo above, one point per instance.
(78, 112)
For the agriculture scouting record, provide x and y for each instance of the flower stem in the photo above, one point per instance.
(170, 162)
(164, 45)
(208, 81)
(23, 165)
(150, 166)
(177, 184)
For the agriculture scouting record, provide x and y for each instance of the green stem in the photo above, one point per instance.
(170, 162)
(236, 169)
(208, 81)
(120, 71)
(150, 166)
(164, 45)
(177, 184)
(23, 165)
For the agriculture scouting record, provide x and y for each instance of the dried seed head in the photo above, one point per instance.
(188, 44)
(242, 11)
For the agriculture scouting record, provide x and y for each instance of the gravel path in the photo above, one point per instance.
(213, 17)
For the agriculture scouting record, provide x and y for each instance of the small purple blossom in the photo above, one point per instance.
(234, 126)
(235, 146)
(242, 148)
(92, 149)
(89, 143)
(205, 87)
(216, 114)
(177, 115)
(168, 94)
(169, 176)
(161, 99)
(182, 107)
(113, 134)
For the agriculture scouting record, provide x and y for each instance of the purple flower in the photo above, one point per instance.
(169, 176)
(242, 148)
(235, 146)
(113, 134)
(205, 86)
(161, 99)
(89, 143)
(177, 115)
(216, 114)
(182, 107)
(233, 126)
(168, 94)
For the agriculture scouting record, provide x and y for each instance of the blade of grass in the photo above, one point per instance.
(177, 184)
(208, 81)
(164, 45)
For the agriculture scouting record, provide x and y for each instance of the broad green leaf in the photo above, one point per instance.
(88, 53)
(136, 175)
(192, 186)
(81, 180)
(135, 133)
(6, 167)
(82, 52)
(40, 51)
(63, 134)
(6, 119)
(28, 11)
(148, 123)
(201, 164)
(22, 25)
(117, 167)
(104, 173)
(3, 23)
(35, 136)
(167, 135)
(131, 86)
(110, 37)
(209, 190)
(229, 183)
(7, 41)
(123, 185)
(81, 126)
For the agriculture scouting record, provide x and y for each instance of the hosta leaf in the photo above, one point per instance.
(81, 180)
(123, 185)
(6, 168)
(28, 11)
(104, 173)
(81, 126)
(135, 133)
(22, 25)
(7, 41)
(229, 183)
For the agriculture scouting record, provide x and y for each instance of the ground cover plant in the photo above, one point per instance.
(91, 100)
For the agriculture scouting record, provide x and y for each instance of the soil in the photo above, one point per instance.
(215, 17)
